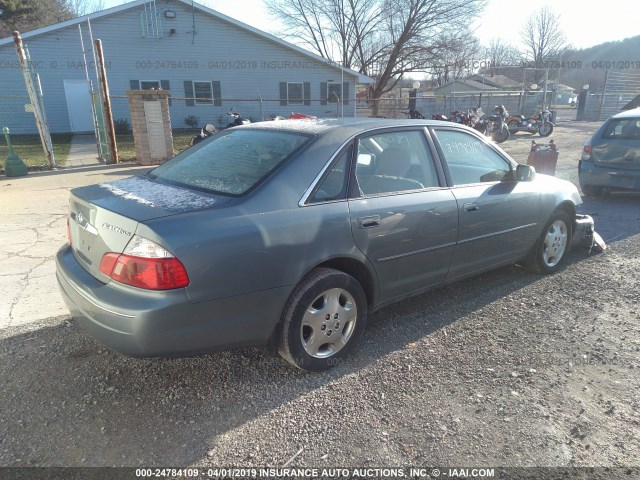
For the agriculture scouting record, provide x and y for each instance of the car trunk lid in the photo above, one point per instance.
(104, 217)
(618, 153)
(619, 143)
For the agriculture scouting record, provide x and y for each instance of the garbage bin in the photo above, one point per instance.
(543, 157)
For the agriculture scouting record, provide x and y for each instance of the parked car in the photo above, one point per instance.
(611, 158)
(287, 234)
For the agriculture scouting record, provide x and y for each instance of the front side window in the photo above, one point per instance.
(203, 93)
(470, 160)
(231, 162)
(394, 162)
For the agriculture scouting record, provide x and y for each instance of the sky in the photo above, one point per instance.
(584, 23)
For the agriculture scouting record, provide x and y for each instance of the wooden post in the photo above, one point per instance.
(104, 85)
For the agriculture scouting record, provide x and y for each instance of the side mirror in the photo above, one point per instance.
(525, 173)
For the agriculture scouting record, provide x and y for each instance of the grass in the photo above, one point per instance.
(127, 149)
(29, 149)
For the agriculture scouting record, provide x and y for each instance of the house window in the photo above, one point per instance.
(203, 93)
(149, 84)
(334, 92)
(295, 94)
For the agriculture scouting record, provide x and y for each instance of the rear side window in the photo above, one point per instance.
(232, 162)
(623, 128)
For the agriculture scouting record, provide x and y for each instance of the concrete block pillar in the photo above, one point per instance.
(151, 125)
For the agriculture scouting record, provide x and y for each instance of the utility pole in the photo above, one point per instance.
(104, 84)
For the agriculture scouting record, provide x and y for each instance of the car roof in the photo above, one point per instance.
(634, 112)
(348, 126)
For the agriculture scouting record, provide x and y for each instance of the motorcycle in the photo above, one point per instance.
(497, 127)
(415, 114)
(539, 122)
(205, 133)
(237, 119)
(440, 116)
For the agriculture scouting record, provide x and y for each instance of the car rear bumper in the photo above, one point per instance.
(592, 175)
(143, 323)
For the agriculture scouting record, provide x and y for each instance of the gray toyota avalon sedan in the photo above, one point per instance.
(289, 233)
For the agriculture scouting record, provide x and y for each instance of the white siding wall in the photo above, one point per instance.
(243, 62)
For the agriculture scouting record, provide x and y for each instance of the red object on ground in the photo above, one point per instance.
(543, 157)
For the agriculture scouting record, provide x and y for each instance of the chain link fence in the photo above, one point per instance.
(190, 114)
(515, 102)
(620, 89)
(22, 132)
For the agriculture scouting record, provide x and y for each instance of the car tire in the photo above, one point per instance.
(323, 320)
(552, 246)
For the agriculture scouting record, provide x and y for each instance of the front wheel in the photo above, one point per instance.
(545, 129)
(553, 244)
(513, 126)
(501, 135)
(323, 320)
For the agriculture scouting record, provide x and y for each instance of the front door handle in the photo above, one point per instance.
(368, 222)
(471, 207)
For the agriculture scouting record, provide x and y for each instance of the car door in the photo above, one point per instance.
(498, 217)
(403, 217)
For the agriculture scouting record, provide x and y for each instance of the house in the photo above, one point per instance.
(462, 86)
(501, 82)
(208, 61)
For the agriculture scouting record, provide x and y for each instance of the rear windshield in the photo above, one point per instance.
(623, 128)
(232, 162)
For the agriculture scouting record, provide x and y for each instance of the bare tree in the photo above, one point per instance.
(500, 54)
(340, 30)
(385, 39)
(543, 37)
(456, 57)
(84, 7)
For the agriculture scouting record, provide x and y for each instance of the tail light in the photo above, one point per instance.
(145, 264)
(586, 152)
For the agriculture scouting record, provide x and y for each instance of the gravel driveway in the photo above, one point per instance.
(506, 369)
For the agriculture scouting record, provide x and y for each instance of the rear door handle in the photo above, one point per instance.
(368, 222)
(471, 207)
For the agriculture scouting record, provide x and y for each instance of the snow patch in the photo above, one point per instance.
(158, 195)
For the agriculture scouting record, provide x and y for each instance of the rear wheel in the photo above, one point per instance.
(323, 320)
(553, 244)
(513, 126)
(545, 129)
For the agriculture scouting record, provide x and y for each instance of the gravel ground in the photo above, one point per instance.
(506, 369)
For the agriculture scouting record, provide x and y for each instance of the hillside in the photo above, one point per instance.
(589, 65)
